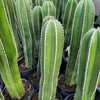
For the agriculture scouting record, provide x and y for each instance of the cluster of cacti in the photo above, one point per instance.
(8, 57)
(25, 23)
(88, 68)
(83, 21)
(68, 20)
(50, 59)
(11, 15)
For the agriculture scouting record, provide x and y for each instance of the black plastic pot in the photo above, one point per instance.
(97, 96)
(69, 96)
(63, 63)
(37, 90)
(2, 86)
(96, 25)
(64, 92)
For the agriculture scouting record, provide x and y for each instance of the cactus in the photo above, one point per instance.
(47, 18)
(10, 11)
(39, 2)
(88, 66)
(39, 66)
(51, 54)
(68, 20)
(48, 9)
(37, 23)
(83, 21)
(63, 5)
(25, 22)
(8, 57)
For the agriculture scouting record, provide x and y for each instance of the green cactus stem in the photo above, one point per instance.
(83, 21)
(47, 18)
(37, 23)
(11, 15)
(48, 9)
(8, 57)
(68, 20)
(25, 22)
(51, 54)
(88, 67)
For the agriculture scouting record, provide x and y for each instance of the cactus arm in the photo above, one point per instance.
(60, 41)
(39, 2)
(68, 20)
(8, 57)
(81, 24)
(10, 11)
(24, 15)
(42, 61)
(88, 75)
(57, 4)
(48, 9)
(37, 23)
(53, 35)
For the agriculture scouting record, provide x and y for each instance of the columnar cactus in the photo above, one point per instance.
(8, 57)
(68, 20)
(25, 22)
(11, 15)
(89, 66)
(48, 9)
(47, 18)
(51, 54)
(39, 2)
(83, 21)
(63, 6)
(37, 23)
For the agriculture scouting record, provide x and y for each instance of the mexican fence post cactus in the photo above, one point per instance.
(51, 54)
(68, 20)
(39, 2)
(37, 23)
(83, 21)
(48, 9)
(47, 18)
(11, 15)
(25, 22)
(57, 4)
(89, 66)
(8, 57)
(63, 6)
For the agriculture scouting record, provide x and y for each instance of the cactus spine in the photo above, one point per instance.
(51, 54)
(89, 69)
(24, 17)
(68, 20)
(8, 57)
(48, 9)
(10, 11)
(83, 21)
(37, 23)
